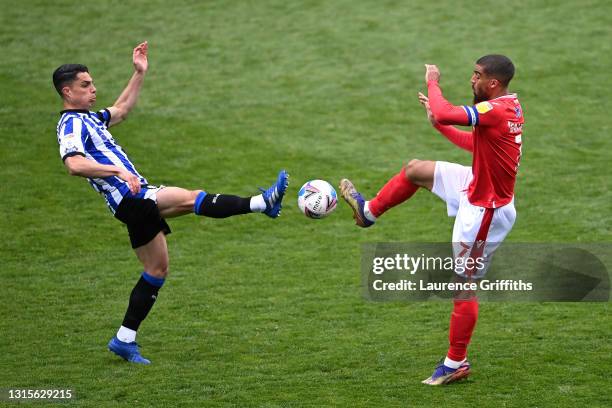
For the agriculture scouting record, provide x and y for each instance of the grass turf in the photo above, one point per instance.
(269, 313)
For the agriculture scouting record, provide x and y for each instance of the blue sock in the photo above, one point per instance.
(158, 282)
(198, 202)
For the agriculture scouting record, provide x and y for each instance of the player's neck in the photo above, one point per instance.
(70, 106)
(501, 92)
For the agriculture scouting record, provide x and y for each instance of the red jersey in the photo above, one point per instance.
(495, 141)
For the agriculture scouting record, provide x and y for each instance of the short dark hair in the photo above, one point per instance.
(65, 74)
(498, 66)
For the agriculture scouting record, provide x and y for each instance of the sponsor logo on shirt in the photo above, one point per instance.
(515, 127)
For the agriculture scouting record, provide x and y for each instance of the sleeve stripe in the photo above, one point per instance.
(472, 114)
(67, 155)
(78, 128)
(104, 116)
(67, 127)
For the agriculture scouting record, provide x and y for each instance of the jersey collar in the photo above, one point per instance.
(74, 111)
(510, 96)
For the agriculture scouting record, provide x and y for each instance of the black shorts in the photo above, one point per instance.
(142, 218)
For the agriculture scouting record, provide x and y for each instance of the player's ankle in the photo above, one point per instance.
(257, 203)
(126, 335)
(454, 364)
(367, 212)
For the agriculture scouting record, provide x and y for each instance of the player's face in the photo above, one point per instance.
(480, 84)
(81, 93)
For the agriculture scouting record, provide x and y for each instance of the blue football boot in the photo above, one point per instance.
(127, 351)
(273, 196)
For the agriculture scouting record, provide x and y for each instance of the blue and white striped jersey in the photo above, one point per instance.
(85, 133)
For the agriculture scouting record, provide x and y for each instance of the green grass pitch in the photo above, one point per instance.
(270, 313)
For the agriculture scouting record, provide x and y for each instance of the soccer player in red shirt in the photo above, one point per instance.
(480, 197)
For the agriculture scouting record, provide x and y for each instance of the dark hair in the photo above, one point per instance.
(498, 66)
(65, 74)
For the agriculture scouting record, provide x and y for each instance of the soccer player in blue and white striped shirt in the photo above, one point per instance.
(89, 150)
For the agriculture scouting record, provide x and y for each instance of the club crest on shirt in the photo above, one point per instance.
(484, 107)
(517, 112)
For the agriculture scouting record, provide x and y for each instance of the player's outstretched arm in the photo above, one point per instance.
(443, 111)
(458, 137)
(126, 101)
(80, 166)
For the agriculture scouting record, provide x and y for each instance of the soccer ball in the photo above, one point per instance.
(317, 199)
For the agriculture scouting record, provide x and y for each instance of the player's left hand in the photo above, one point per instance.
(432, 73)
(139, 57)
(424, 100)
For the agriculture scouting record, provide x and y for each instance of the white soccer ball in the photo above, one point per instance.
(317, 199)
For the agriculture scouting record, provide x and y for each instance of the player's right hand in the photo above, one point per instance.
(139, 57)
(432, 73)
(132, 181)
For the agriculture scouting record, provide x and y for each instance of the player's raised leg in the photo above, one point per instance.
(154, 259)
(175, 201)
(402, 186)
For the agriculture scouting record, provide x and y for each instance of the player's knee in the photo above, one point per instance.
(412, 169)
(159, 268)
(163, 266)
(193, 196)
(159, 271)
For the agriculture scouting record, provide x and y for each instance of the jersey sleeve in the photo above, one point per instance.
(105, 116)
(443, 111)
(458, 137)
(70, 138)
(481, 114)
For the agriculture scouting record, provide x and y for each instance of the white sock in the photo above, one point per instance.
(126, 335)
(258, 204)
(452, 363)
(368, 214)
